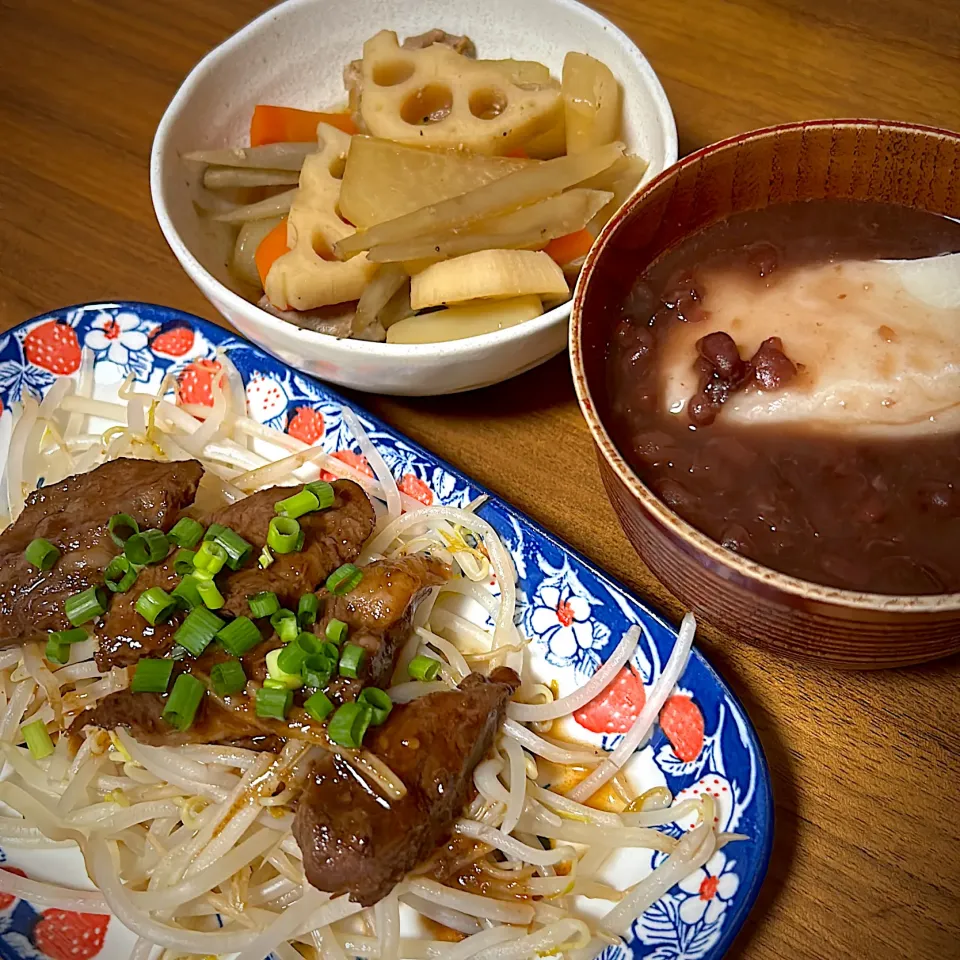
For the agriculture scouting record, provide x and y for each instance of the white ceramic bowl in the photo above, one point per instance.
(294, 54)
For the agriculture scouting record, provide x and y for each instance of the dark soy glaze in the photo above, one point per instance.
(881, 515)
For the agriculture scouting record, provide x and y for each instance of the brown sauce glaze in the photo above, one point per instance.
(874, 514)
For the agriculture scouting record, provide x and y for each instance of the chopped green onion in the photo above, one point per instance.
(301, 539)
(183, 561)
(307, 609)
(186, 533)
(37, 739)
(151, 546)
(239, 636)
(323, 491)
(187, 594)
(264, 604)
(237, 549)
(289, 678)
(151, 676)
(344, 579)
(423, 668)
(199, 628)
(273, 703)
(85, 606)
(77, 635)
(310, 644)
(348, 725)
(41, 554)
(120, 575)
(318, 706)
(379, 703)
(285, 623)
(58, 653)
(282, 534)
(336, 631)
(293, 656)
(330, 651)
(155, 605)
(213, 530)
(350, 660)
(317, 671)
(265, 559)
(228, 678)
(122, 527)
(59, 641)
(212, 598)
(185, 699)
(209, 559)
(297, 505)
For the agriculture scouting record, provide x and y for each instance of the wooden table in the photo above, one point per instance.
(865, 768)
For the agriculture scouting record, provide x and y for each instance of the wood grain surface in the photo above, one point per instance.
(866, 861)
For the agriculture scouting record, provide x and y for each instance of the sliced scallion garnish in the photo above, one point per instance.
(344, 579)
(239, 636)
(184, 701)
(151, 676)
(41, 554)
(85, 606)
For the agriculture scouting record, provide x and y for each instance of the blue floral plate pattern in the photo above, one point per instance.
(573, 613)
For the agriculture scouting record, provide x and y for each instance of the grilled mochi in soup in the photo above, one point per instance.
(73, 515)
(356, 841)
(331, 537)
(379, 613)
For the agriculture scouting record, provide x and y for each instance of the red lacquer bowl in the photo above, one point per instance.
(844, 159)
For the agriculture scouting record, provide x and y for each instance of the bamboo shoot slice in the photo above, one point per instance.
(383, 180)
(493, 274)
(526, 186)
(529, 228)
(465, 320)
(591, 103)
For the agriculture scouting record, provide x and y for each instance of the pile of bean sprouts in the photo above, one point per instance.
(191, 847)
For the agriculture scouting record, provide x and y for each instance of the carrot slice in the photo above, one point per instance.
(568, 248)
(271, 124)
(272, 247)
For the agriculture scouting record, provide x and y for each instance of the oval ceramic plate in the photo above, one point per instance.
(573, 613)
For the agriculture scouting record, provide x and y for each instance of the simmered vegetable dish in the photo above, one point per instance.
(456, 196)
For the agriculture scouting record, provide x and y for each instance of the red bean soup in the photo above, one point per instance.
(795, 396)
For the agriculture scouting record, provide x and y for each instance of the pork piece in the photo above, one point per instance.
(331, 537)
(462, 45)
(355, 841)
(73, 516)
(231, 720)
(379, 612)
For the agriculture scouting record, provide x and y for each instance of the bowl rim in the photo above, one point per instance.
(757, 574)
(346, 347)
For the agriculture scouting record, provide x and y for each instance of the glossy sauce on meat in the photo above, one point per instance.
(866, 513)
(73, 515)
(353, 839)
(331, 537)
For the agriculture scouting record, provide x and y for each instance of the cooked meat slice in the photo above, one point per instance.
(231, 720)
(462, 45)
(379, 612)
(354, 841)
(73, 516)
(331, 537)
